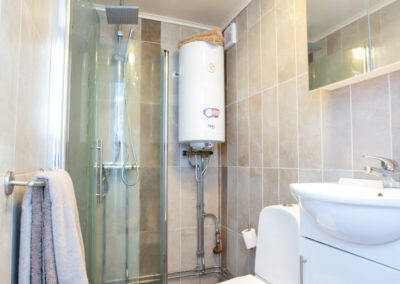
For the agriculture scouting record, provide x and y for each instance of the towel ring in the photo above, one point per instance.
(10, 182)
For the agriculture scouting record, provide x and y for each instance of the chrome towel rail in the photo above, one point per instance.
(10, 182)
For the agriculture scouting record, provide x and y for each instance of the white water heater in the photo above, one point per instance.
(201, 95)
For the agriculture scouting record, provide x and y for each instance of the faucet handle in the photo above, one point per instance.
(386, 163)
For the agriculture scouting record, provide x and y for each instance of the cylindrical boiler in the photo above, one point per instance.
(201, 95)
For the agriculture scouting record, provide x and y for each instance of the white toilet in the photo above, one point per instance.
(277, 252)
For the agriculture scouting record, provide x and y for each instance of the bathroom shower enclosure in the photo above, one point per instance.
(117, 145)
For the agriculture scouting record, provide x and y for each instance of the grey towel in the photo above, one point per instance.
(49, 264)
(43, 268)
(69, 252)
(36, 240)
(51, 249)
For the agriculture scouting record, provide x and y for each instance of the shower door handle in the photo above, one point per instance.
(99, 170)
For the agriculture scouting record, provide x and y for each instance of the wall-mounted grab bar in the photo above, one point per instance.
(10, 182)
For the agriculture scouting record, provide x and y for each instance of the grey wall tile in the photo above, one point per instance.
(270, 128)
(309, 126)
(254, 63)
(243, 198)
(242, 75)
(243, 133)
(256, 195)
(255, 131)
(336, 130)
(310, 176)
(268, 50)
(288, 154)
(286, 177)
(270, 187)
(151, 30)
(395, 103)
(371, 120)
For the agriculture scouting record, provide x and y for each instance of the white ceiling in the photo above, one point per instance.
(200, 13)
(327, 16)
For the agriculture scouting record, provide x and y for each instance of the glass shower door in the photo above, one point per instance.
(128, 224)
(115, 151)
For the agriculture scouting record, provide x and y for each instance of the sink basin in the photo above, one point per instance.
(362, 214)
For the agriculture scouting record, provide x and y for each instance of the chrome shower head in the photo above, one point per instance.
(122, 15)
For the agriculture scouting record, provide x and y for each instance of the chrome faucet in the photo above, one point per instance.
(387, 173)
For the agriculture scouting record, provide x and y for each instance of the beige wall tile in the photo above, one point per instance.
(268, 50)
(243, 179)
(266, 6)
(270, 187)
(336, 131)
(286, 177)
(255, 132)
(256, 195)
(170, 34)
(310, 176)
(232, 135)
(223, 195)
(188, 248)
(335, 175)
(231, 75)
(231, 252)
(189, 31)
(211, 200)
(174, 251)
(174, 198)
(254, 59)
(270, 128)
(309, 126)
(241, 22)
(243, 133)
(188, 201)
(395, 103)
(253, 13)
(243, 258)
(371, 110)
(285, 39)
(151, 30)
(301, 36)
(242, 76)
(232, 199)
(288, 155)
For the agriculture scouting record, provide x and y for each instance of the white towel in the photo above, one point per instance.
(68, 244)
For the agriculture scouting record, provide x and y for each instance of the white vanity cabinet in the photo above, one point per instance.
(323, 264)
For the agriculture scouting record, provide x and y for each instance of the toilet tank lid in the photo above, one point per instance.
(277, 253)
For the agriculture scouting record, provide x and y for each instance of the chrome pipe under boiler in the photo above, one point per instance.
(200, 213)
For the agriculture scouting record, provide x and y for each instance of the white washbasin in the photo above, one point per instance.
(362, 214)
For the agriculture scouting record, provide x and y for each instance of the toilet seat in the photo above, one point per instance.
(248, 279)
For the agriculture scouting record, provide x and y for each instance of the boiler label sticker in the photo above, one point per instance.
(211, 67)
(211, 112)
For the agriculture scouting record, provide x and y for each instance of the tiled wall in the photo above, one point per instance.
(182, 230)
(278, 132)
(25, 42)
